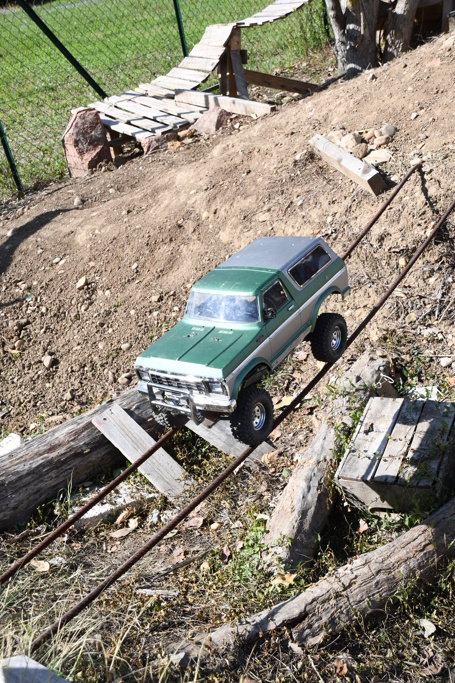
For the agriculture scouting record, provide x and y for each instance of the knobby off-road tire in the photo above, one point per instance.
(252, 419)
(328, 340)
(168, 419)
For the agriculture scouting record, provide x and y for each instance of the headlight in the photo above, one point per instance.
(216, 388)
(142, 374)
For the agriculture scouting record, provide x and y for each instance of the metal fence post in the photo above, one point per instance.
(59, 45)
(11, 162)
(180, 25)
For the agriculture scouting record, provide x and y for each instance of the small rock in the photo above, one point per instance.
(78, 201)
(124, 381)
(10, 443)
(414, 115)
(56, 260)
(402, 262)
(369, 135)
(382, 140)
(126, 346)
(155, 298)
(11, 232)
(410, 318)
(336, 136)
(389, 130)
(371, 77)
(19, 345)
(360, 151)
(205, 216)
(111, 377)
(211, 120)
(446, 362)
(135, 266)
(378, 156)
(69, 395)
(47, 361)
(349, 141)
(153, 144)
(82, 283)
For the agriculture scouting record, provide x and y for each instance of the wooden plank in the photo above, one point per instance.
(279, 82)
(370, 439)
(174, 83)
(207, 51)
(124, 433)
(219, 435)
(360, 172)
(189, 74)
(127, 117)
(222, 73)
(239, 75)
(148, 112)
(127, 129)
(169, 106)
(153, 89)
(428, 445)
(399, 442)
(217, 34)
(231, 104)
(200, 63)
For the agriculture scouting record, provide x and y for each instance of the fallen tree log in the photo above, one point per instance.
(357, 589)
(62, 457)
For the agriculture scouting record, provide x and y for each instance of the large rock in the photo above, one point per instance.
(85, 143)
(211, 120)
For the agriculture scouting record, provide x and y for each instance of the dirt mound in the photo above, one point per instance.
(147, 230)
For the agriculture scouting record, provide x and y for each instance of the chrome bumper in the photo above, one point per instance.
(184, 402)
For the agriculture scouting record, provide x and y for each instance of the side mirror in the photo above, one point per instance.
(269, 314)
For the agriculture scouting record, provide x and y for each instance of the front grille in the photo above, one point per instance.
(177, 383)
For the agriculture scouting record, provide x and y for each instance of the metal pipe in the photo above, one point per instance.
(74, 611)
(80, 513)
(11, 162)
(59, 45)
(381, 210)
(178, 16)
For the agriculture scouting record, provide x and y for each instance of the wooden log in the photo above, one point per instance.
(357, 589)
(279, 82)
(231, 104)
(360, 172)
(62, 457)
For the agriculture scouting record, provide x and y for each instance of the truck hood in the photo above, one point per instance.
(206, 351)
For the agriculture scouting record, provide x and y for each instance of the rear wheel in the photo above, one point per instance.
(328, 340)
(252, 419)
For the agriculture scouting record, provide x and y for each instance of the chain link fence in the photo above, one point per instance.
(119, 43)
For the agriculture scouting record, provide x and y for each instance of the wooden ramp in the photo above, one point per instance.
(401, 456)
(152, 109)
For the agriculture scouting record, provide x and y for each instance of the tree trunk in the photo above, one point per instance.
(357, 589)
(398, 28)
(66, 455)
(361, 21)
(338, 24)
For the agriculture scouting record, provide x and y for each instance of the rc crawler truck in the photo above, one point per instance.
(241, 321)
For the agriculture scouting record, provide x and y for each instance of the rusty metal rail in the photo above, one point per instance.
(79, 607)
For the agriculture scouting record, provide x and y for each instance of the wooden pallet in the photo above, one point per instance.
(401, 455)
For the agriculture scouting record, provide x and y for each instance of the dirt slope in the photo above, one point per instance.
(147, 231)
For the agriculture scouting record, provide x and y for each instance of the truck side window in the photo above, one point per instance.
(274, 297)
(307, 267)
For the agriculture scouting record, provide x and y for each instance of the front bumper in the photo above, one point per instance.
(182, 401)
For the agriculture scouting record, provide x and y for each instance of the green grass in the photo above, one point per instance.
(120, 43)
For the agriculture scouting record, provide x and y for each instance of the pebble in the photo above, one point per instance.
(134, 266)
(389, 130)
(19, 345)
(47, 361)
(445, 362)
(155, 298)
(124, 381)
(371, 78)
(126, 346)
(82, 283)
(382, 140)
(56, 260)
(369, 135)
(205, 216)
(360, 151)
(402, 262)
(78, 201)
(11, 232)
(349, 141)
(69, 395)
(414, 115)
(111, 377)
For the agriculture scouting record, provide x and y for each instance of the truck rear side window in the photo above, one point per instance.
(307, 267)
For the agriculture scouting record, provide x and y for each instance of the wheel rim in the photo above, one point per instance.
(335, 342)
(258, 416)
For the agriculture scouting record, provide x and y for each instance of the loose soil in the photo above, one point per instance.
(146, 231)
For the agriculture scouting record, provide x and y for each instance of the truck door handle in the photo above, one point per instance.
(290, 307)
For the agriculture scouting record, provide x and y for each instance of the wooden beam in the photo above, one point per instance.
(355, 169)
(231, 104)
(279, 82)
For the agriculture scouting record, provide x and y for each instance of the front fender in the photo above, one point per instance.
(256, 362)
(328, 292)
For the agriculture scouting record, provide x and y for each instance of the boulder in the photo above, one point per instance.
(85, 143)
(154, 144)
(211, 120)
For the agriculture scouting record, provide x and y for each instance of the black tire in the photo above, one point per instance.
(252, 419)
(168, 418)
(329, 337)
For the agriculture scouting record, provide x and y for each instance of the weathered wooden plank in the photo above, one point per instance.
(219, 435)
(148, 124)
(428, 445)
(174, 83)
(231, 104)
(135, 132)
(216, 34)
(279, 82)
(207, 51)
(360, 172)
(239, 75)
(189, 74)
(143, 109)
(22, 669)
(370, 439)
(66, 455)
(154, 89)
(124, 433)
(399, 442)
(185, 111)
(200, 63)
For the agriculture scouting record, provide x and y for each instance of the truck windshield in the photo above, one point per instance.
(223, 307)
